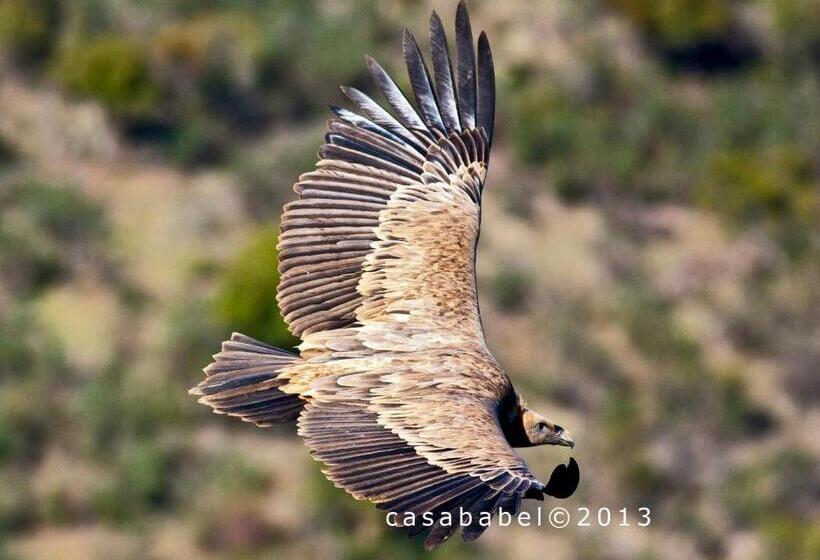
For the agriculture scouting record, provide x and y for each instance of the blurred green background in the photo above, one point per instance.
(649, 268)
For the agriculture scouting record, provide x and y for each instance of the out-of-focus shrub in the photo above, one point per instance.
(99, 413)
(796, 479)
(697, 35)
(7, 152)
(621, 414)
(799, 25)
(115, 408)
(114, 70)
(227, 518)
(193, 336)
(28, 265)
(267, 172)
(739, 415)
(511, 288)
(540, 139)
(28, 29)
(197, 142)
(748, 495)
(246, 300)
(298, 74)
(27, 351)
(763, 496)
(26, 419)
(38, 223)
(234, 476)
(787, 537)
(187, 48)
(548, 129)
(32, 373)
(17, 504)
(64, 212)
(649, 321)
(333, 53)
(210, 63)
(646, 484)
(644, 146)
(143, 482)
(775, 188)
(677, 22)
(144, 473)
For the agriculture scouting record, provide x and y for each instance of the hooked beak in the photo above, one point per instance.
(564, 438)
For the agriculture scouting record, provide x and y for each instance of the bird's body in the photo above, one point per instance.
(394, 388)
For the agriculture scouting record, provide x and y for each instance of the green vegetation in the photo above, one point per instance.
(114, 71)
(511, 289)
(246, 301)
(776, 190)
(27, 29)
(739, 416)
(799, 21)
(677, 22)
(142, 481)
(759, 496)
(40, 226)
(7, 153)
(593, 146)
(61, 212)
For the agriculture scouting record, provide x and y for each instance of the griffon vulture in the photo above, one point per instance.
(394, 389)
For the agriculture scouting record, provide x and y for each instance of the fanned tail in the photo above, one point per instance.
(244, 381)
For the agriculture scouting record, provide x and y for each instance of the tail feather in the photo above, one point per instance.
(244, 381)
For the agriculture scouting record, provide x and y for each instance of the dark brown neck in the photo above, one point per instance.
(510, 418)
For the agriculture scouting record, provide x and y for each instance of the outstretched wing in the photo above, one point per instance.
(413, 438)
(384, 230)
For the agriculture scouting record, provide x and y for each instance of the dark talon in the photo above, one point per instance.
(564, 480)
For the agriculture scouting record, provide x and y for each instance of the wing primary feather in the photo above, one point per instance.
(465, 62)
(443, 72)
(404, 110)
(486, 89)
(398, 149)
(420, 81)
(381, 117)
(357, 120)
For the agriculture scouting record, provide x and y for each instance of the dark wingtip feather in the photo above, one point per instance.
(420, 81)
(461, 8)
(486, 88)
(444, 75)
(405, 112)
(465, 73)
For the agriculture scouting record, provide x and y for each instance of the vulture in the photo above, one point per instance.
(394, 389)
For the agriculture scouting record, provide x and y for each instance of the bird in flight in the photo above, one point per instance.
(394, 388)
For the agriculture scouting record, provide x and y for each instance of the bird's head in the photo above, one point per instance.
(540, 431)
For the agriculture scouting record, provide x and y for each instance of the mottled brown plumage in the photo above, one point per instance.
(394, 388)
